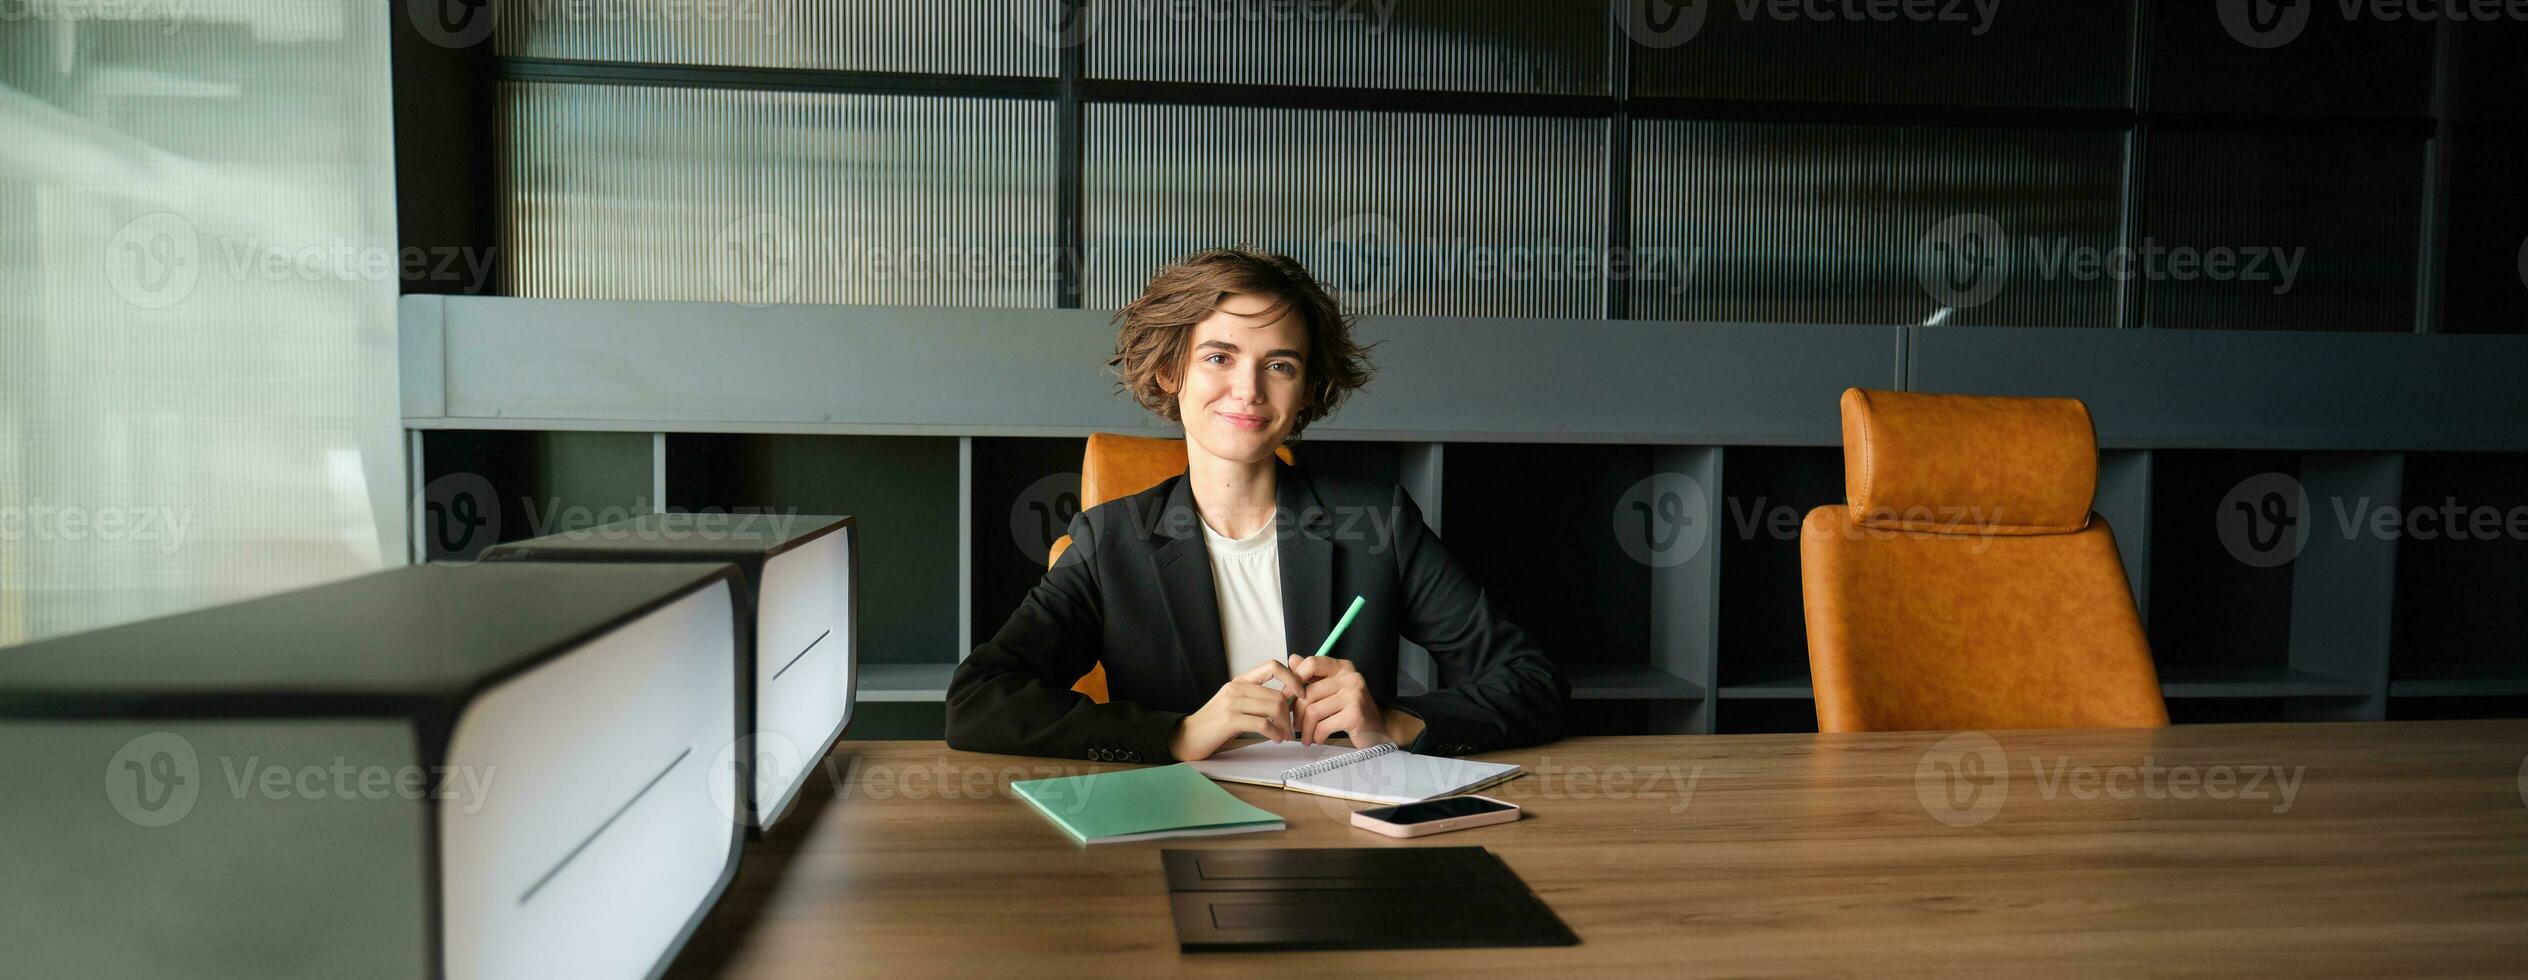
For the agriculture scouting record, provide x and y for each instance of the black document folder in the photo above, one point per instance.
(1246, 899)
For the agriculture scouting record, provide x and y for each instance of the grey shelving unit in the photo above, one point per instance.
(951, 434)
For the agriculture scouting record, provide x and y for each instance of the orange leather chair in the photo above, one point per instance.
(1965, 584)
(1120, 466)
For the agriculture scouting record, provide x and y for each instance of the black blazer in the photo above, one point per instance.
(1135, 592)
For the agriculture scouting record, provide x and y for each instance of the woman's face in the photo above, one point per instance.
(1245, 379)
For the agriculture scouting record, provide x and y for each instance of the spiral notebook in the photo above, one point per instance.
(1383, 773)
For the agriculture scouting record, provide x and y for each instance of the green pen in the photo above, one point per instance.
(1357, 602)
(1326, 649)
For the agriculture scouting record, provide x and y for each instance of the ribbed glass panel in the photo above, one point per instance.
(1006, 37)
(1402, 214)
(198, 270)
(2337, 241)
(1451, 45)
(2486, 254)
(637, 192)
(2301, 59)
(1859, 224)
(2047, 54)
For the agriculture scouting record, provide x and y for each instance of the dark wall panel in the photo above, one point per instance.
(1012, 37)
(2056, 54)
(2307, 59)
(2347, 206)
(2483, 73)
(1448, 45)
(764, 197)
(1399, 213)
(1863, 224)
(2485, 271)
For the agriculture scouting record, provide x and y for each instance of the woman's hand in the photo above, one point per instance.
(1242, 706)
(1336, 698)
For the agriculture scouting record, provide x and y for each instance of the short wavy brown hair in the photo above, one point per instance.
(1154, 334)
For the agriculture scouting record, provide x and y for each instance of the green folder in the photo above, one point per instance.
(1142, 804)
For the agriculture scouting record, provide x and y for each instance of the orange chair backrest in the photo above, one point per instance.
(1965, 583)
(1120, 466)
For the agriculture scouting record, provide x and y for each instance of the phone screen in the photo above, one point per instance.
(1429, 810)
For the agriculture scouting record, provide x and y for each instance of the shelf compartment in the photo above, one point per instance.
(1629, 682)
(1765, 716)
(2123, 500)
(1021, 496)
(1768, 492)
(537, 483)
(2223, 711)
(2246, 681)
(1610, 565)
(1536, 531)
(2211, 610)
(905, 682)
(903, 489)
(1788, 688)
(2477, 686)
(2461, 625)
(2437, 708)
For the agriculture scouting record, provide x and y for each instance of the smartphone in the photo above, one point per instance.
(1435, 816)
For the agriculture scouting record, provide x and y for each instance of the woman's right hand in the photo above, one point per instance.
(1242, 706)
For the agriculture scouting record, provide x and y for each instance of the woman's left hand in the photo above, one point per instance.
(1336, 699)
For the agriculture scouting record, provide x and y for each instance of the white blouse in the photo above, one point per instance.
(1246, 573)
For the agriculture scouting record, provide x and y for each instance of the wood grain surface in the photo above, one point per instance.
(2257, 850)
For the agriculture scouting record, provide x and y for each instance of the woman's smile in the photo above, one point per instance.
(1244, 422)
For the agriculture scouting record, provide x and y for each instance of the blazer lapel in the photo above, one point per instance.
(1183, 565)
(1307, 560)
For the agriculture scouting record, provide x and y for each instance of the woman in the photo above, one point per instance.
(1206, 595)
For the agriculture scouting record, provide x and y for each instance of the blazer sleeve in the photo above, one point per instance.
(1512, 694)
(1013, 693)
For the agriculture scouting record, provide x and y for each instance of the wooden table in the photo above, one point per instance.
(2364, 848)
